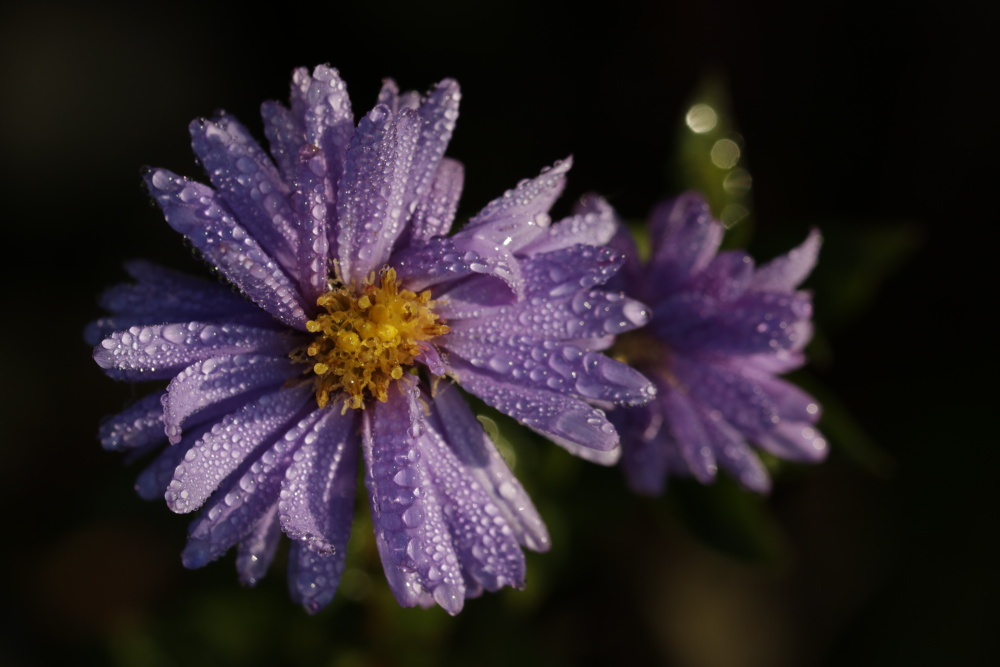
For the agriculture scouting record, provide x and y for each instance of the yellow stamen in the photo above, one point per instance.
(365, 342)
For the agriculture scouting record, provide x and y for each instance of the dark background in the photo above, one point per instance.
(875, 121)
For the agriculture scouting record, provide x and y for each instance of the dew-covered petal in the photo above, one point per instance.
(786, 272)
(684, 238)
(255, 552)
(285, 134)
(734, 454)
(725, 278)
(195, 211)
(407, 510)
(795, 441)
(313, 578)
(217, 386)
(220, 451)
(233, 511)
(482, 462)
(313, 203)
(248, 182)
(370, 201)
(431, 357)
(552, 366)
(160, 292)
(435, 210)
(161, 351)
(521, 214)
(426, 264)
(138, 425)
(593, 224)
(755, 323)
(153, 480)
(740, 400)
(317, 492)
(567, 421)
(682, 418)
(644, 446)
(437, 114)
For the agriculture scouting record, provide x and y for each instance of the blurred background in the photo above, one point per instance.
(874, 121)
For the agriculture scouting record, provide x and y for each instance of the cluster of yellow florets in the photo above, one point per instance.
(365, 341)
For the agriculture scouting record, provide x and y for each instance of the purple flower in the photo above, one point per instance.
(357, 310)
(720, 332)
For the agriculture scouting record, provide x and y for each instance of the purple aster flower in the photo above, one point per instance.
(355, 316)
(721, 331)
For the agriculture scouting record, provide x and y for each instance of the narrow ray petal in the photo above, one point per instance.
(193, 210)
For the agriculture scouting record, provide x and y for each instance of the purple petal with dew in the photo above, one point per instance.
(173, 296)
(437, 115)
(317, 492)
(484, 541)
(644, 454)
(684, 422)
(631, 277)
(740, 400)
(313, 205)
(313, 578)
(733, 453)
(370, 202)
(161, 351)
(138, 425)
(194, 210)
(248, 182)
(285, 134)
(725, 278)
(552, 366)
(389, 95)
(215, 387)
(795, 441)
(791, 403)
(429, 263)
(684, 238)
(407, 507)
(431, 357)
(588, 314)
(475, 296)
(255, 552)
(482, 462)
(321, 101)
(435, 210)
(757, 322)
(233, 511)
(786, 272)
(521, 214)
(220, 451)
(153, 480)
(596, 226)
(567, 421)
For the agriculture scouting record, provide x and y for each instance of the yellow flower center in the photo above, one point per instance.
(364, 342)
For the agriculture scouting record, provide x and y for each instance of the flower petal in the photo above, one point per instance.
(435, 210)
(161, 351)
(437, 116)
(567, 421)
(552, 366)
(232, 513)
(407, 511)
(684, 422)
(248, 182)
(370, 201)
(795, 441)
(317, 491)
(438, 260)
(786, 272)
(217, 386)
(313, 578)
(220, 451)
(684, 238)
(256, 551)
(138, 425)
(521, 214)
(194, 210)
(482, 462)
(593, 224)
